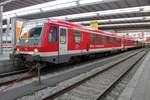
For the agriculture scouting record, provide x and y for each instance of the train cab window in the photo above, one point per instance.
(77, 36)
(62, 35)
(52, 34)
(92, 38)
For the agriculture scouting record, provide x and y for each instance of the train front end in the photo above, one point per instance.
(29, 44)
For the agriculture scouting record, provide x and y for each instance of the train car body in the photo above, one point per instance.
(58, 41)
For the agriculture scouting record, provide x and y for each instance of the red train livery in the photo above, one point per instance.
(57, 41)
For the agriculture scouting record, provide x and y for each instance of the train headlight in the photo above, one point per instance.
(26, 40)
(18, 49)
(35, 50)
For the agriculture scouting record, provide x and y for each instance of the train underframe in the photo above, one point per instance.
(27, 60)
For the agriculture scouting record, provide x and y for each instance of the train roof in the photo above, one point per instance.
(78, 26)
(81, 27)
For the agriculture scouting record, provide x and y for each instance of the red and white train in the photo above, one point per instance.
(57, 41)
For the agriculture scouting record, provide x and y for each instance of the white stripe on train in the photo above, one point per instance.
(44, 54)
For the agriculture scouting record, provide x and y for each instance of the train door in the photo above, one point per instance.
(63, 41)
(51, 46)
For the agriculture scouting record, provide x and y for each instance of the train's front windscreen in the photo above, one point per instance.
(30, 33)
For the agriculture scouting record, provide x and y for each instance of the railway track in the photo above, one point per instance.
(12, 73)
(10, 77)
(93, 86)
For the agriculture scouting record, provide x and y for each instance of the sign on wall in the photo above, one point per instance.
(18, 29)
(94, 24)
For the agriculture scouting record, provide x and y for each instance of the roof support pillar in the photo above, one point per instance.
(1, 29)
(8, 29)
(13, 32)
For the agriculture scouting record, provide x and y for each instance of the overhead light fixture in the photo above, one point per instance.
(115, 20)
(147, 18)
(89, 1)
(147, 9)
(119, 11)
(76, 16)
(60, 6)
(125, 24)
(28, 12)
(85, 2)
(126, 19)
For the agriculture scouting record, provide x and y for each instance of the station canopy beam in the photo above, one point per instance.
(5, 2)
(1, 30)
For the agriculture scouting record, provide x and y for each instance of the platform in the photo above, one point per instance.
(139, 86)
(4, 56)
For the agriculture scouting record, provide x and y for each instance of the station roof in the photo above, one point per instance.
(17, 4)
(134, 13)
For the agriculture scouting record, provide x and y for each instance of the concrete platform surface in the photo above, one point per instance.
(139, 86)
(4, 57)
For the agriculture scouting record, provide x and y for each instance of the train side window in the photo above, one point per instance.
(113, 40)
(52, 34)
(103, 39)
(118, 40)
(91, 38)
(77, 36)
(98, 39)
(62, 35)
(108, 39)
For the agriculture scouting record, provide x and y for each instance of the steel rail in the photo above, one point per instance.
(13, 73)
(24, 72)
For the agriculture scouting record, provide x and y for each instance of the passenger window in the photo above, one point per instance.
(52, 34)
(119, 40)
(103, 40)
(108, 38)
(62, 35)
(77, 36)
(92, 38)
(114, 40)
(98, 39)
